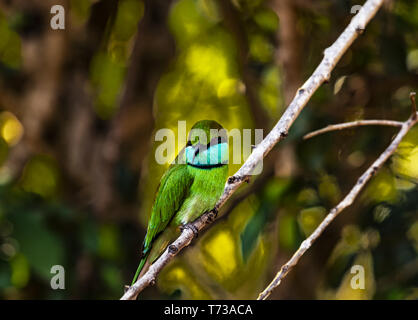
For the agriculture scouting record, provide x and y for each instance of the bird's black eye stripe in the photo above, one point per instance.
(199, 147)
(216, 140)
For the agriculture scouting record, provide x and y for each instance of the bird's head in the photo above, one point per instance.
(207, 145)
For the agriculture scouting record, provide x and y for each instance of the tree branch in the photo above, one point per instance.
(357, 123)
(346, 202)
(280, 131)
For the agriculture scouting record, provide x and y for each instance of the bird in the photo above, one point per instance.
(190, 187)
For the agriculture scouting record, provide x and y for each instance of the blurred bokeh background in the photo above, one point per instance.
(79, 108)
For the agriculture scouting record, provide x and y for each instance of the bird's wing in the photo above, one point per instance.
(173, 189)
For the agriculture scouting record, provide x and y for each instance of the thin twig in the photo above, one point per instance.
(357, 123)
(346, 202)
(280, 131)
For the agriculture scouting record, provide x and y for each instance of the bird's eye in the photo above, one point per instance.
(189, 143)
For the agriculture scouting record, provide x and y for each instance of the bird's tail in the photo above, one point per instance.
(144, 258)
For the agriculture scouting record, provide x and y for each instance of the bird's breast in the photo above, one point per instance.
(205, 191)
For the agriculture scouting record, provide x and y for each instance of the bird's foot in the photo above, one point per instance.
(126, 288)
(191, 227)
(234, 179)
(212, 214)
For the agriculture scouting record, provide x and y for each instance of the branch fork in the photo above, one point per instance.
(346, 202)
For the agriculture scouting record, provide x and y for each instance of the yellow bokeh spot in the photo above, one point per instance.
(350, 243)
(413, 234)
(11, 129)
(270, 90)
(20, 271)
(310, 218)
(207, 63)
(409, 164)
(328, 189)
(40, 176)
(220, 250)
(406, 161)
(287, 233)
(260, 48)
(187, 21)
(412, 60)
(382, 188)
(227, 88)
(308, 196)
(179, 277)
(108, 241)
(178, 273)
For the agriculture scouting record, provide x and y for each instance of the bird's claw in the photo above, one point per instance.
(212, 215)
(234, 179)
(191, 227)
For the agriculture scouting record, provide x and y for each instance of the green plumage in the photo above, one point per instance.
(186, 191)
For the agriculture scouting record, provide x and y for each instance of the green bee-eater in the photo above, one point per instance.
(190, 187)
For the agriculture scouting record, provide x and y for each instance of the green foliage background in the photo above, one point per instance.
(49, 213)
